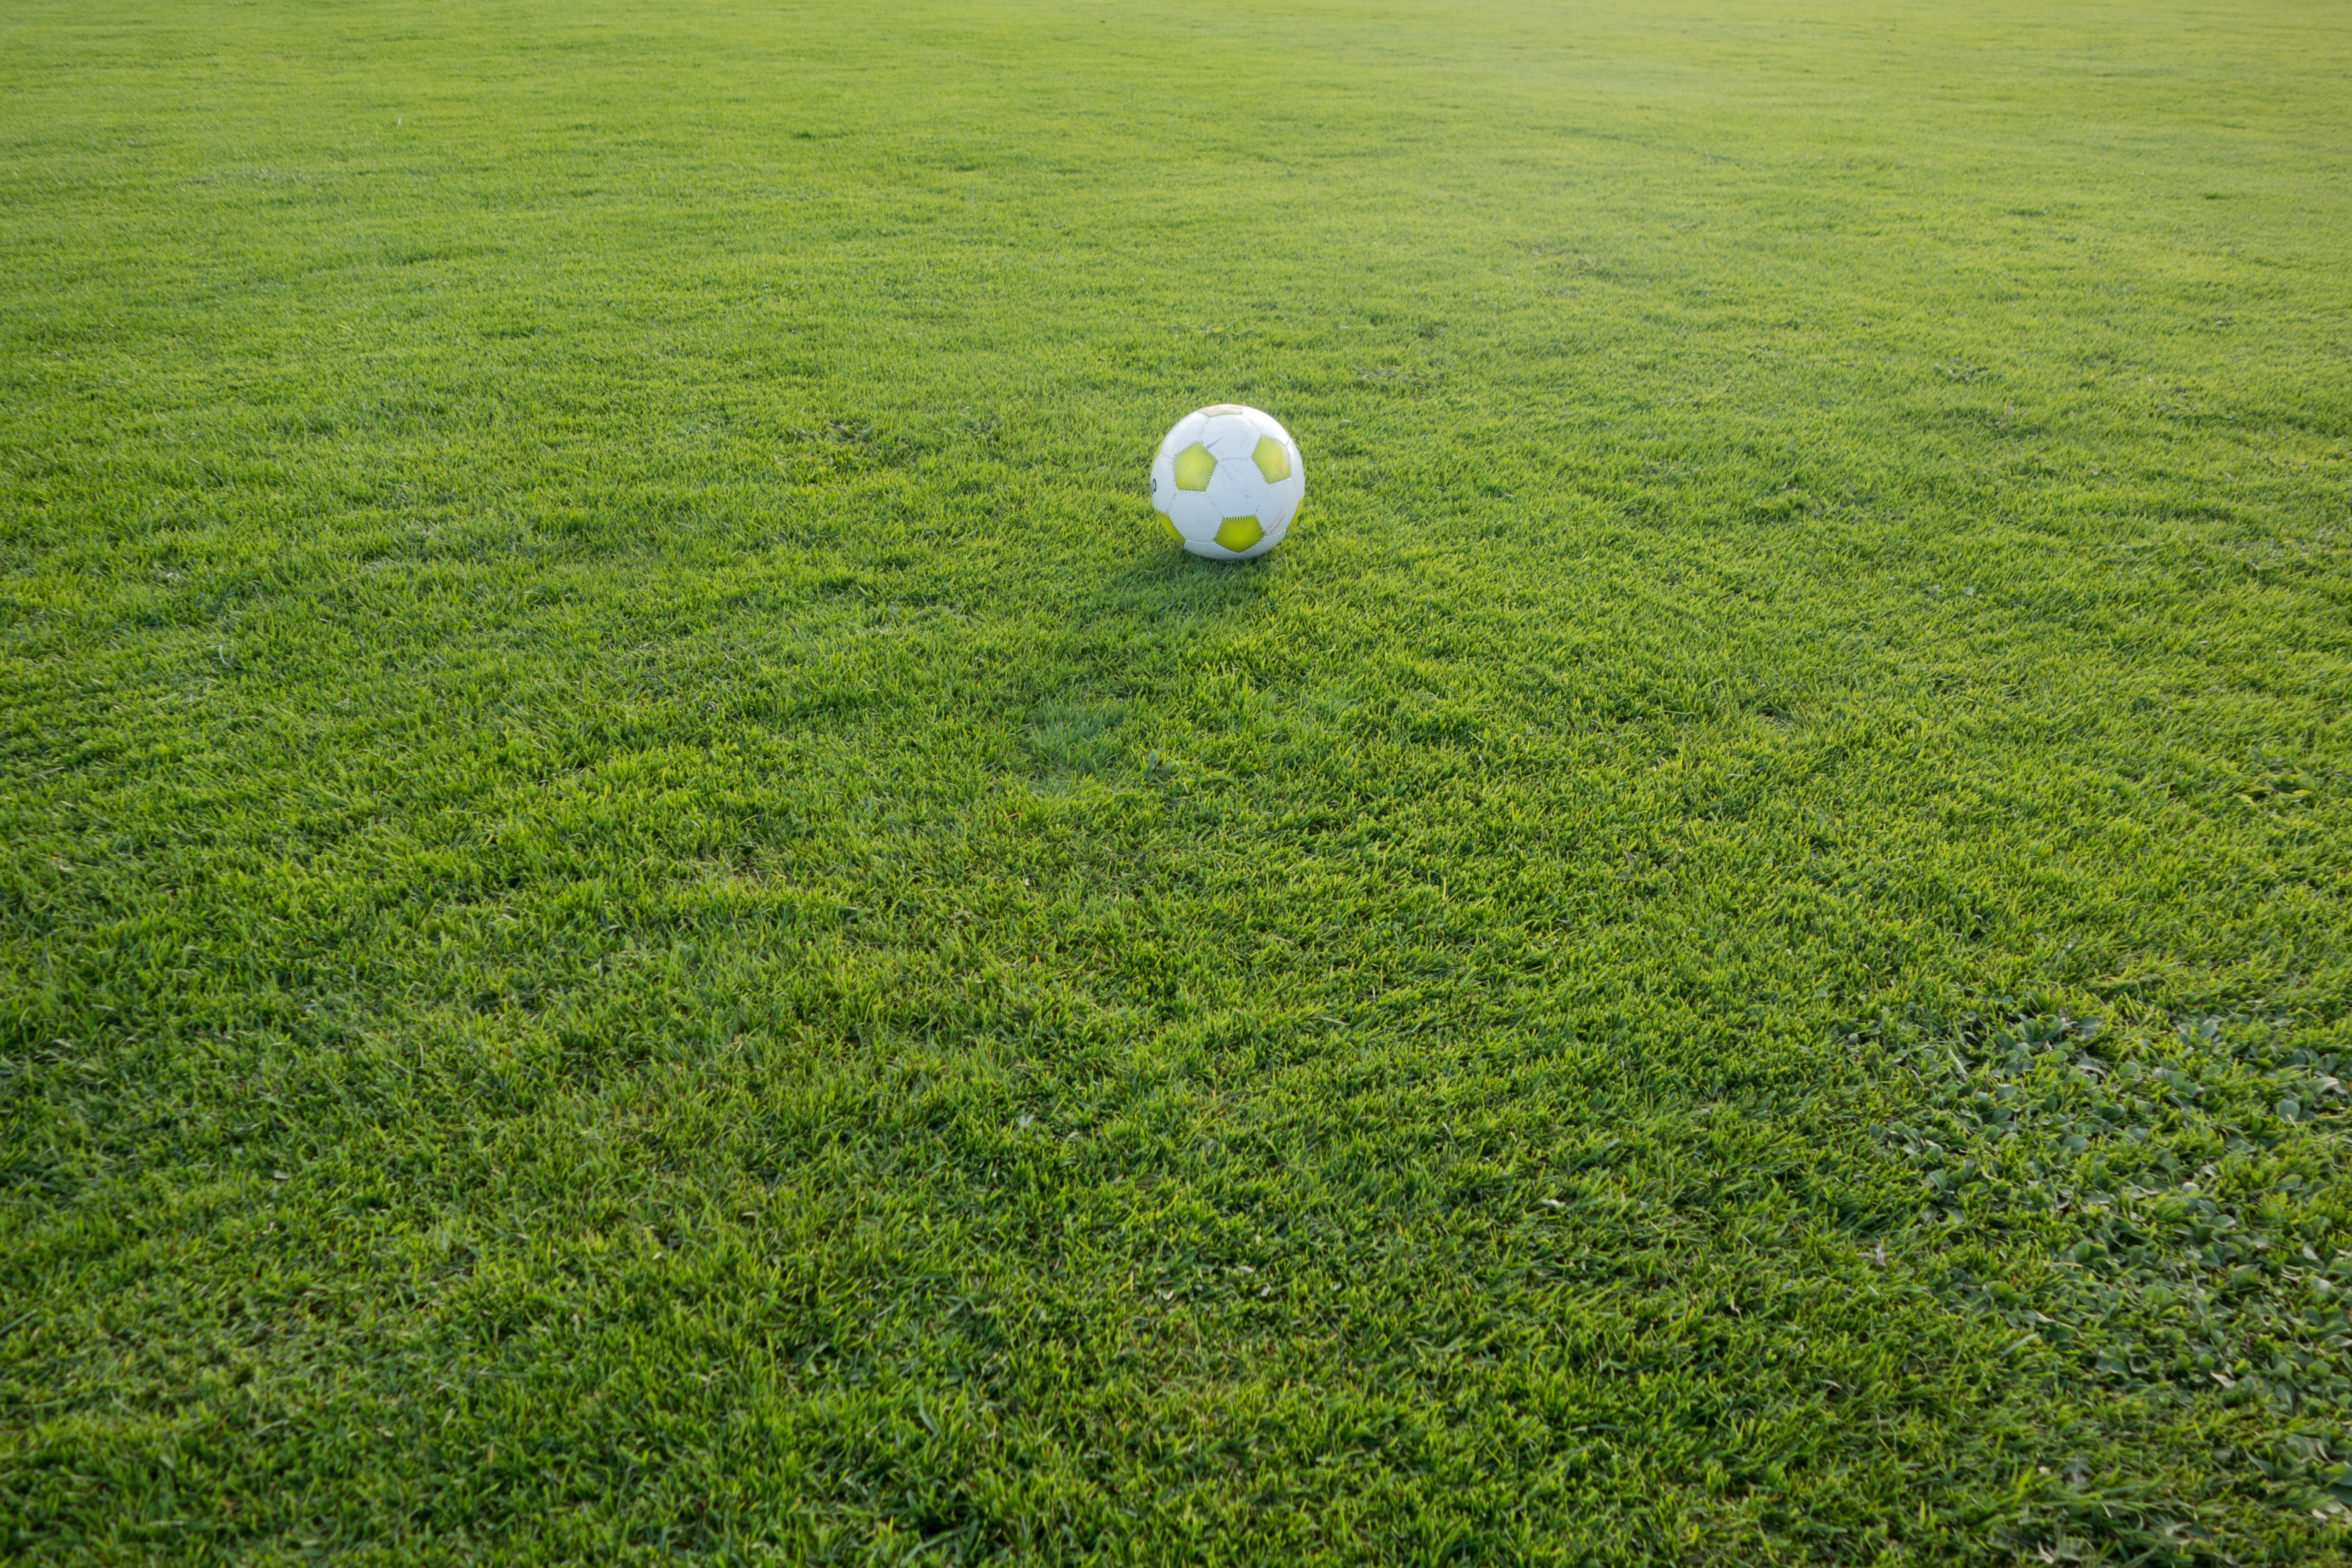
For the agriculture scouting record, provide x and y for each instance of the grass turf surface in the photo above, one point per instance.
(644, 911)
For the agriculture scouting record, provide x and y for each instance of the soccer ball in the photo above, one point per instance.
(1227, 482)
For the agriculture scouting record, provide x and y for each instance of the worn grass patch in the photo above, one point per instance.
(644, 912)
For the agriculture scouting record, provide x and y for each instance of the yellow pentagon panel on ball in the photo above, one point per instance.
(1168, 523)
(1238, 533)
(1193, 467)
(1271, 459)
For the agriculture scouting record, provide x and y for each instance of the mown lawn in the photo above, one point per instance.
(643, 912)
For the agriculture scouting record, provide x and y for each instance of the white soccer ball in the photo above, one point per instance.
(1227, 481)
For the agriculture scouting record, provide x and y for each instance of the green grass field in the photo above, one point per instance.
(643, 913)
